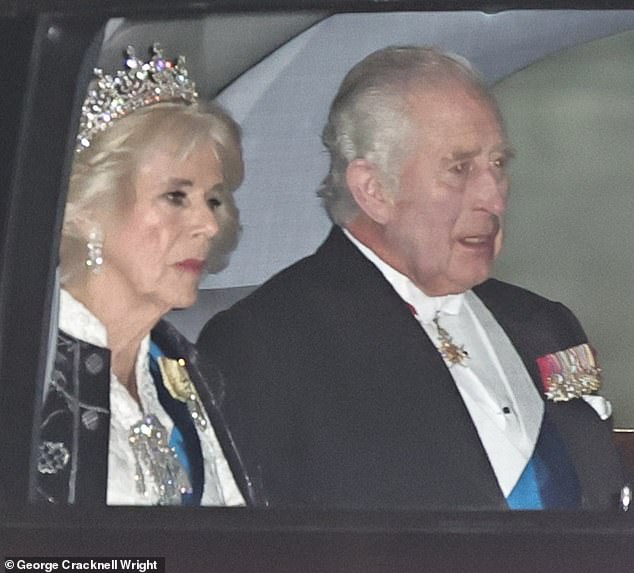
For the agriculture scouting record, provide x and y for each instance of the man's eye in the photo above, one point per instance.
(503, 160)
(459, 168)
(176, 197)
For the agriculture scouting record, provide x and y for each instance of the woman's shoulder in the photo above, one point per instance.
(204, 374)
(170, 340)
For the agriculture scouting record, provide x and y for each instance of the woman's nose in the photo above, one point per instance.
(206, 221)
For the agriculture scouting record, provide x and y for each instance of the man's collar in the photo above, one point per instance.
(426, 307)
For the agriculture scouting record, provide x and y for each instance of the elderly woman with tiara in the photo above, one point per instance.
(127, 417)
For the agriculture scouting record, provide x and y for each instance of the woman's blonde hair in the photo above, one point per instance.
(102, 175)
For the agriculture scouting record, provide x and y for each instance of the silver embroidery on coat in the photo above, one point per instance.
(53, 457)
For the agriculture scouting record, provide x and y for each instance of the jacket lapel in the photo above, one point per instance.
(453, 451)
(210, 390)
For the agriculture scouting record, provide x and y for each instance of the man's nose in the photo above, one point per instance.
(491, 190)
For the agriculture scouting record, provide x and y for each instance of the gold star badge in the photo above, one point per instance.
(449, 350)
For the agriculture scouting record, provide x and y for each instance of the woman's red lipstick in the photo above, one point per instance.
(194, 266)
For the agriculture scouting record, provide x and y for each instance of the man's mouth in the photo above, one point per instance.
(478, 240)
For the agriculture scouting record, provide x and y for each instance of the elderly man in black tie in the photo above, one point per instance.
(387, 370)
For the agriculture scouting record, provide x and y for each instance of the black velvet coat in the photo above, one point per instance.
(75, 420)
(337, 397)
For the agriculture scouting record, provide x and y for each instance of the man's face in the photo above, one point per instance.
(444, 228)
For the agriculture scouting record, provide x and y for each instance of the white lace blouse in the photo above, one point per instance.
(220, 487)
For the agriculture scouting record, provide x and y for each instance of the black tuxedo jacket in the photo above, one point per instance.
(337, 398)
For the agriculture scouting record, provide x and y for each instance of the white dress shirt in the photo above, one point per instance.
(220, 487)
(503, 403)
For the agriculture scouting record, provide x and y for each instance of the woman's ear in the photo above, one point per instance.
(365, 184)
(79, 224)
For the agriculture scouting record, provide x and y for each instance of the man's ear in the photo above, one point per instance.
(366, 186)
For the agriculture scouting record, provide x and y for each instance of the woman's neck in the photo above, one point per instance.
(127, 321)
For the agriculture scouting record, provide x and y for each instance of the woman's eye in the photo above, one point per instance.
(176, 197)
(214, 203)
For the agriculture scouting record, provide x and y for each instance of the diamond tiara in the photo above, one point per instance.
(139, 84)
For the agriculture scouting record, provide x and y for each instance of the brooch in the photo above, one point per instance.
(449, 350)
(178, 383)
(570, 373)
(155, 459)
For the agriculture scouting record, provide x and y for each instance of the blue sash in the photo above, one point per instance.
(184, 438)
(549, 480)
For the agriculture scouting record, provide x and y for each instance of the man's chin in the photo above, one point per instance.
(477, 278)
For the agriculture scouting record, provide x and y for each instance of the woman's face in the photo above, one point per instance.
(155, 248)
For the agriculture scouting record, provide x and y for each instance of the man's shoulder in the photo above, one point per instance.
(305, 278)
(280, 299)
(527, 314)
(494, 291)
(289, 282)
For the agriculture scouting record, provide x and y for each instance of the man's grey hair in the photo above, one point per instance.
(369, 117)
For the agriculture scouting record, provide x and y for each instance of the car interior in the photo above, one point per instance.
(562, 74)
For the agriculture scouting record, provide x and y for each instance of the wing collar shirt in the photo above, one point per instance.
(498, 392)
(220, 487)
